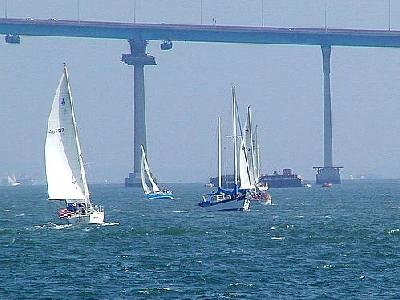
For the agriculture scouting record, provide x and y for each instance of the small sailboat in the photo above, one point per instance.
(65, 172)
(327, 185)
(12, 181)
(223, 199)
(153, 192)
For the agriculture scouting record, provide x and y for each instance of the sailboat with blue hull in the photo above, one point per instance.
(152, 192)
(223, 199)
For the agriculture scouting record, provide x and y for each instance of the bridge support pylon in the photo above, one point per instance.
(138, 58)
(328, 173)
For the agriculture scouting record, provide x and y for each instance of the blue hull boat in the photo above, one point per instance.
(152, 192)
(219, 202)
(160, 196)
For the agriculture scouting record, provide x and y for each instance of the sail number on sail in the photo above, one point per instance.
(57, 130)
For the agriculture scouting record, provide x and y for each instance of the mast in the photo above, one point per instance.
(219, 154)
(234, 120)
(257, 153)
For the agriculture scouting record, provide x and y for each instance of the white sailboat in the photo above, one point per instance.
(154, 191)
(65, 172)
(228, 200)
(12, 181)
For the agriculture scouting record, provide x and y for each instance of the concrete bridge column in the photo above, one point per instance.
(138, 58)
(328, 173)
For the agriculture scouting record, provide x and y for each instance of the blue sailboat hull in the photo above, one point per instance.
(160, 196)
(224, 200)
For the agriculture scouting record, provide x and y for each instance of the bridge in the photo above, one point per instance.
(138, 35)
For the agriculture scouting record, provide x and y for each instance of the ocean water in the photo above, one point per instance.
(338, 243)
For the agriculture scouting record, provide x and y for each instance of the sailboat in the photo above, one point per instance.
(65, 172)
(153, 192)
(223, 199)
(258, 192)
(12, 181)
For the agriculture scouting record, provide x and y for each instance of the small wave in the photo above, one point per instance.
(52, 226)
(20, 215)
(180, 211)
(7, 210)
(327, 266)
(61, 226)
(273, 228)
(278, 238)
(241, 284)
(300, 217)
(110, 224)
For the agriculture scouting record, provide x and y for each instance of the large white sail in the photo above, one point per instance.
(154, 185)
(66, 178)
(244, 170)
(146, 188)
(250, 147)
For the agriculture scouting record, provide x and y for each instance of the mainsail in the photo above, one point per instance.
(146, 188)
(249, 144)
(66, 178)
(145, 170)
(244, 170)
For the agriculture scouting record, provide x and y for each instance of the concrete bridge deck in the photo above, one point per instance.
(201, 33)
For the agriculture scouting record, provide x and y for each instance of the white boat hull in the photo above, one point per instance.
(95, 217)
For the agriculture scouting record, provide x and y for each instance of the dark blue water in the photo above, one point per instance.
(339, 243)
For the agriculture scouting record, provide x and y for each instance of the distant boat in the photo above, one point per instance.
(65, 172)
(12, 181)
(327, 185)
(224, 199)
(153, 192)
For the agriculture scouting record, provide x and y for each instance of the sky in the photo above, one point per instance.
(190, 88)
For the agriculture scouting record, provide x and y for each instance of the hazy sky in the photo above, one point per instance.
(190, 88)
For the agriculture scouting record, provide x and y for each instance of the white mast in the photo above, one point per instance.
(257, 154)
(234, 120)
(219, 154)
